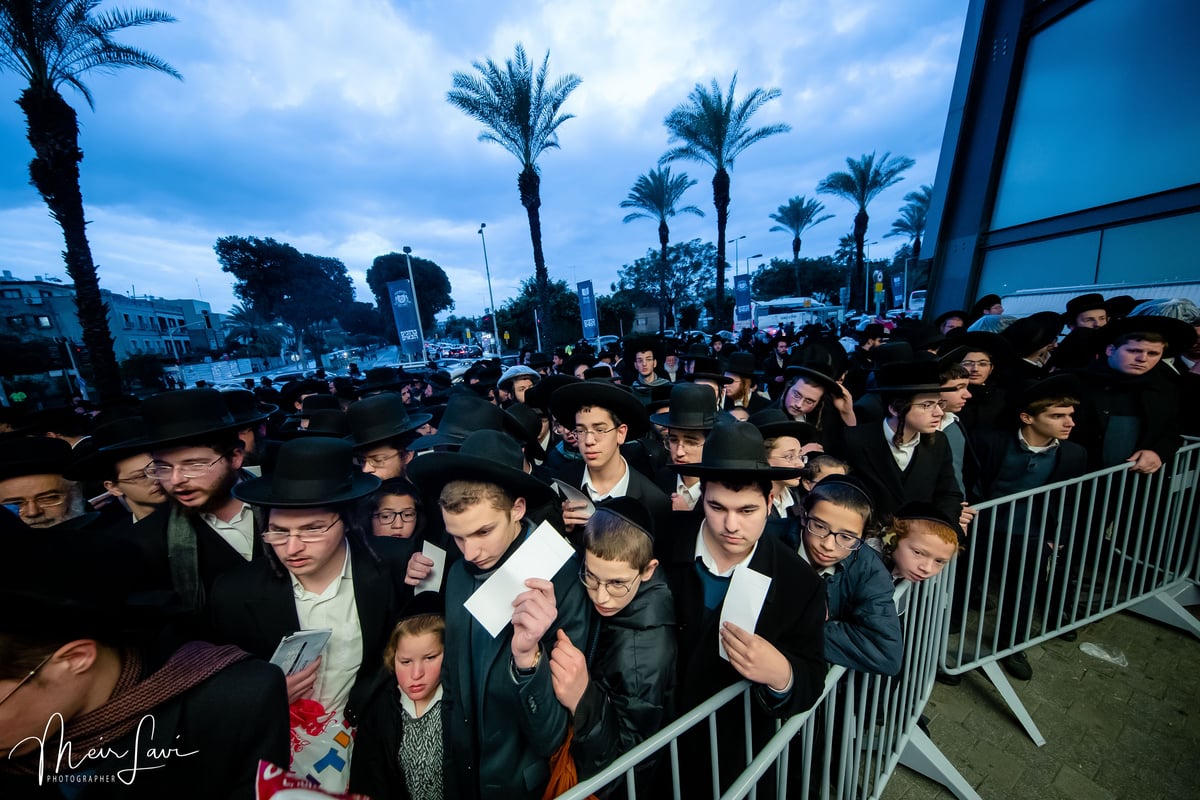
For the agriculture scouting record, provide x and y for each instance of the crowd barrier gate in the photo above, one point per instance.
(848, 745)
(1049, 560)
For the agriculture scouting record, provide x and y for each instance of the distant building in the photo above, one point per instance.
(178, 330)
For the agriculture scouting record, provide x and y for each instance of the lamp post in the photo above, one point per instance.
(488, 271)
(734, 242)
(867, 279)
(756, 255)
(413, 280)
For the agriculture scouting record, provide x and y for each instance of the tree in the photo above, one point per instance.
(911, 222)
(432, 288)
(455, 328)
(712, 129)
(516, 316)
(655, 195)
(824, 278)
(362, 319)
(49, 43)
(685, 272)
(522, 116)
(617, 311)
(795, 218)
(277, 280)
(253, 332)
(860, 184)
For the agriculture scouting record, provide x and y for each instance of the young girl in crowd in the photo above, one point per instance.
(818, 466)
(398, 748)
(397, 511)
(919, 543)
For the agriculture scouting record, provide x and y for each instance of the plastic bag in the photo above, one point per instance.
(1105, 652)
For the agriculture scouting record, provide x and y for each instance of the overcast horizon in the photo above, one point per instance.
(326, 126)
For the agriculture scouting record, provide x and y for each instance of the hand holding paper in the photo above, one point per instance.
(743, 601)
(433, 578)
(541, 556)
(534, 611)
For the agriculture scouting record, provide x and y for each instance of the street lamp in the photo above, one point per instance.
(734, 242)
(756, 255)
(867, 278)
(487, 270)
(413, 280)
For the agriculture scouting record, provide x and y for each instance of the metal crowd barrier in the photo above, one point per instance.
(848, 745)
(1050, 560)
(1190, 523)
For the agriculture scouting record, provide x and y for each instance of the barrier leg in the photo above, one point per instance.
(996, 675)
(1164, 606)
(921, 755)
(1189, 594)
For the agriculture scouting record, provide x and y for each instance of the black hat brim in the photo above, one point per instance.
(261, 492)
(821, 379)
(432, 471)
(804, 432)
(567, 400)
(739, 471)
(1179, 335)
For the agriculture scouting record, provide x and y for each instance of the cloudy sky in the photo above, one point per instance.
(324, 124)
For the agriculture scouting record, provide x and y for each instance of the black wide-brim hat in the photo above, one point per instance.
(734, 451)
(621, 402)
(1030, 334)
(691, 409)
(1179, 335)
(379, 379)
(707, 368)
(487, 457)
(993, 344)
(316, 402)
(812, 374)
(945, 315)
(525, 425)
(110, 442)
(381, 417)
(909, 377)
(773, 423)
(185, 415)
(309, 473)
(33, 455)
(1092, 301)
(246, 408)
(322, 422)
(742, 363)
(465, 414)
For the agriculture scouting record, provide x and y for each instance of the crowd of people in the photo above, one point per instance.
(518, 577)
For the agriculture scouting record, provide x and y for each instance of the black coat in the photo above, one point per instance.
(928, 478)
(253, 607)
(230, 721)
(1155, 397)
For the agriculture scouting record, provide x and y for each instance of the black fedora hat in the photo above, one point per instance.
(772, 423)
(316, 402)
(618, 400)
(707, 368)
(246, 408)
(111, 441)
(993, 344)
(909, 377)
(465, 414)
(734, 451)
(311, 472)
(381, 417)
(539, 394)
(1030, 334)
(1092, 301)
(33, 455)
(945, 315)
(185, 415)
(691, 409)
(485, 456)
(983, 304)
(539, 360)
(322, 422)
(742, 363)
(525, 425)
(630, 510)
(1179, 335)
(812, 373)
(380, 379)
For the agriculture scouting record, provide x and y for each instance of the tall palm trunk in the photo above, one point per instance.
(53, 132)
(721, 201)
(796, 263)
(664, 301)
(858, 279)
(529, 183)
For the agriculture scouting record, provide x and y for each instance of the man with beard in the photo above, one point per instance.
(32, 484)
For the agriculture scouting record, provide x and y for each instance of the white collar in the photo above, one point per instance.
(411, 708)
(1026, 445)
(890, 436)
(823, 571)
(784, 501)
(619, 489)
(298, 590)
(706, 557)
(948, 419)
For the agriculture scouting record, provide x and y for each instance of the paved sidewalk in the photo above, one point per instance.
(1112, 732)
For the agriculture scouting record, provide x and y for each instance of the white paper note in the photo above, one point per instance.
(434, 582)
(540, 556)
(574, 496)
(743, 602)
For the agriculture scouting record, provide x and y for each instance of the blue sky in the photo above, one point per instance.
(324, 124)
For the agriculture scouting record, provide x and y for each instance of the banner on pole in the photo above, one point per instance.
(898, 291)
(741, 301)
(587, 311)
(404, 311)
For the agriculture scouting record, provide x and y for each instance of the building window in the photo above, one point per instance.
(10, 294)
(43, 322)
(45, 293)
(16, 322)
(128, 321)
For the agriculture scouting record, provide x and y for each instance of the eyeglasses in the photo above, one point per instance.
(308, 534)
(599, 433)
(928, 405)
(388, 517)
(157, 470)
(613, 588)
(139, 477)
(44, 500)
(846, 541)
(974, 364)
(375, 461)
(686, 444)
(27, 678)
(791, 458)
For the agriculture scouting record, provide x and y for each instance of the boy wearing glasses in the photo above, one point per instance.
(605, 415)
(906, 458)
(382, 431)
(617, 683)
(319, 572)
(862, 631)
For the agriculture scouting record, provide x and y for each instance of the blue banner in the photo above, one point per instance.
(587, 311)
(898, 291)
(404, 310)
(741, 301)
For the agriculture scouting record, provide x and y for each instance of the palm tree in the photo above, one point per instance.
(795, 218)
(861, 184)
(713, 130)
(253, 331)
(49, 43)
(911, 222)
(655, 195)
(521, 115)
